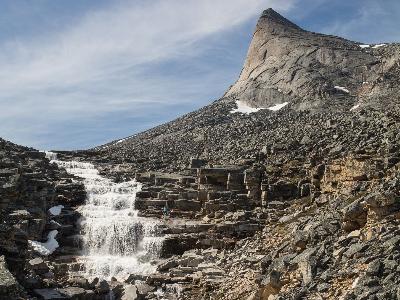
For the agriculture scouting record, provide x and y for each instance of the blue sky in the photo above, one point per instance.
(75, 74)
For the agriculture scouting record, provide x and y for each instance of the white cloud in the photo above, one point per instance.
(96, 65)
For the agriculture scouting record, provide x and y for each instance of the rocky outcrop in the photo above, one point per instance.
(9, 287)
(288, 64)
(29, 187)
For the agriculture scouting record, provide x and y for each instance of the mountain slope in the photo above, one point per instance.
(332, 86)
(287, 63)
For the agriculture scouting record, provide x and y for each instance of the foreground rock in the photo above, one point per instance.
(9, 286)
(30, 187)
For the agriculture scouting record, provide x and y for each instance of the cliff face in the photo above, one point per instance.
(288, 64)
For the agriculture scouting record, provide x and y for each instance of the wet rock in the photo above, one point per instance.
(102, 287)
(144, 289)
(75, 293)
(78, 281)
(38, 265)
(178, 244)
(49, 294)
(130, 292)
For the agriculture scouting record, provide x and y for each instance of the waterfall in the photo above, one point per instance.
(116, 241)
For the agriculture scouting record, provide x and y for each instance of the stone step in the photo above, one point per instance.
(66, 259)
(178, 204)
(145, 204)
(49, 294)
(190, 228)
(67, 217)
(61, 269)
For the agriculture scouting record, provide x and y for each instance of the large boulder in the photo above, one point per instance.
(9, 287)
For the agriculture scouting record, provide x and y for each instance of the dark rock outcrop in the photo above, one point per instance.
(29, 187)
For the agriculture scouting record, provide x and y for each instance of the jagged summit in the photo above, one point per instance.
(272, 19)
(286, 63)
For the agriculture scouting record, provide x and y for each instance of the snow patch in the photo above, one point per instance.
(343, 89)
(277, 107)
(244, 108)
(120, 141)
(355, 107)
(55, 223)
(374, 47)
(117, 142)
(48, 247)
(56, 210)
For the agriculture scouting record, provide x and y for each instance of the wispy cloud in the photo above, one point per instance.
(369, 21)
(109, 61)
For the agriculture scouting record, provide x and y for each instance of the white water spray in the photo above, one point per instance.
(116, 241)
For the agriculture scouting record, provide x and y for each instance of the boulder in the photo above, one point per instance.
(129, 292)
(38, 266)
(354, 216)
(271, 285)
(49, 294)
(9, 287)
(74, 293)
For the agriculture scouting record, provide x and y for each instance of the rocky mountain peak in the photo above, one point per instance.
(272, 20)
(309, 70)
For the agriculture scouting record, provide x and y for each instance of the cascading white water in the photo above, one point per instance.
(116, 241)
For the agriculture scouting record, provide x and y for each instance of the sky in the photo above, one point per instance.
(80, 73)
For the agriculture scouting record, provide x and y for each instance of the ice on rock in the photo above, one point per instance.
(56, 210)
(120, 141)
(277, 107)
(49, 246)
(374, 47)
(244, 108)
(343, 89)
